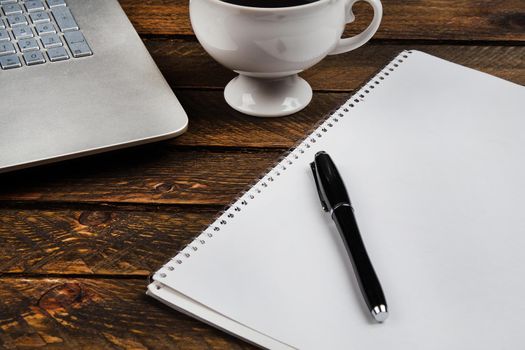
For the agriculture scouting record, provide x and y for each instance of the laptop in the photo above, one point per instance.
(76, 79)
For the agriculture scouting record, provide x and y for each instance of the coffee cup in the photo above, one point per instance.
(269, 46)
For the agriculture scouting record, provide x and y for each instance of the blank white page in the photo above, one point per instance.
(433, 159)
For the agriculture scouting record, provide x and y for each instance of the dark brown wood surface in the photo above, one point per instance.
(461, 20)
(78, 239)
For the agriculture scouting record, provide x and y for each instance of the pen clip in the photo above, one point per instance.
(314, 170)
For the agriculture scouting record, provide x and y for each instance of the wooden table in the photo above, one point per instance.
(78, 239)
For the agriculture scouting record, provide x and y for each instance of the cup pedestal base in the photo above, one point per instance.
(268, 97)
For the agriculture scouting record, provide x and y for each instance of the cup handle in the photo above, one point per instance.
(348, 44)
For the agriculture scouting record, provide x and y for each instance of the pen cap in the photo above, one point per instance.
(330, 185)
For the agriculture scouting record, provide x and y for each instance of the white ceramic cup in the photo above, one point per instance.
(268, 47)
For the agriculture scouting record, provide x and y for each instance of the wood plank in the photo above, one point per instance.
(186, 65)
(214, 123)
(158, 174)
(413, 19)
(97, 314)
(102, 241)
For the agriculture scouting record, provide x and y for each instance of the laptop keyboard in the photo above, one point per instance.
(34, 32)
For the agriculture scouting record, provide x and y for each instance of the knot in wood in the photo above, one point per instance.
(164, 187)
(93, 218)
(62, 296)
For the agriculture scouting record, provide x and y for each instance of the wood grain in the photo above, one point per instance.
(157, 174)
(214, 124)
(102, 241)
(97, 314)
(186, 65)
(413, 19)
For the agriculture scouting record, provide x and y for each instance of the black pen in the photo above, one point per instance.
(334, 199)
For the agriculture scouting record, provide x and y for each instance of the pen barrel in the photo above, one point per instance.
(346, 223)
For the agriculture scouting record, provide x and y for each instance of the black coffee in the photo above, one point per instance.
(269, 3)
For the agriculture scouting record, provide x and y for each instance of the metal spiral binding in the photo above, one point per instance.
(275, 171)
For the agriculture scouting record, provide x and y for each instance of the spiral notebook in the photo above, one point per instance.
(433, 156)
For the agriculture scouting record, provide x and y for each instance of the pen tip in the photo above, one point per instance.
(380, 313)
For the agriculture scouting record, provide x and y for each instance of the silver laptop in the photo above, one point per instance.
(76, 79)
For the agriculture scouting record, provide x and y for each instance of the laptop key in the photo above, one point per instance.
(45, 28)
(33, 58)
(4, 35)
(54, 3)
(22, 32)
(39, 17)
(28, 45)
(6, 48)
(57, 54)
(34, 5)
(77, 44)
(64, 18)
(15, 20)
(11, 9)
(11, 61)
(50, 40)
(30, 28)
